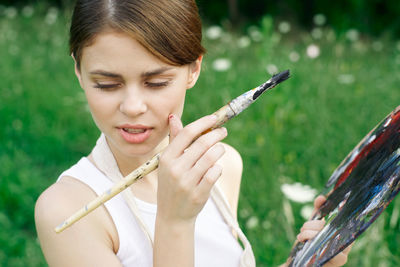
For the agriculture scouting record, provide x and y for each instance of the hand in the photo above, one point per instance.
(311, 228)
(187, 169)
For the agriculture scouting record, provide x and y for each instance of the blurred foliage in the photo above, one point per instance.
(374, 17)
(341, 87)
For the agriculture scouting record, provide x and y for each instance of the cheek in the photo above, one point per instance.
(173, 102)
(101, 107)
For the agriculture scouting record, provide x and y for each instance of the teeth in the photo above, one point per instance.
(134, 130)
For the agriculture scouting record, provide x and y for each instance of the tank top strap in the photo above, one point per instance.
(106, 162)
(247, 259)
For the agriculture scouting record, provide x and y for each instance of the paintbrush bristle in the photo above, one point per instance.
(280, 77)
(271, 83)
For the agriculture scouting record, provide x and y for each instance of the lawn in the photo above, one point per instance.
(342, 85)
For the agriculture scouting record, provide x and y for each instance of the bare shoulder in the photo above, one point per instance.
(59, 200)
(231, 177)
(232, 161)
(54, 205)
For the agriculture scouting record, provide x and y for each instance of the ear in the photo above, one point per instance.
(77, 71)
(194, 72)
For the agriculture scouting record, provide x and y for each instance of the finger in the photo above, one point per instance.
(188, 134)
(306, 235)
(315, 225)
(207, 182)
(175, 125)
(318, 202)
(206, 162)
(199, 147)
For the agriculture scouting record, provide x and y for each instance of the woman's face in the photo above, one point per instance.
(131, 92)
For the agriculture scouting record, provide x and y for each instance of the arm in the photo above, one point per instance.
(88, 243)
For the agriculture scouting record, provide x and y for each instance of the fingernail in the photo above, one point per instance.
(224, 130)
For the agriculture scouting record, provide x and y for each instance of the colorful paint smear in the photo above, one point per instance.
(357, 192)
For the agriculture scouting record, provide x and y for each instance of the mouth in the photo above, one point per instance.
(133, 130)
(135, 134)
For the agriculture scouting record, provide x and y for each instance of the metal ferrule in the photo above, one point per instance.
(241, 102)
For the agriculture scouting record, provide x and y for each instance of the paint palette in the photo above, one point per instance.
(357, 192)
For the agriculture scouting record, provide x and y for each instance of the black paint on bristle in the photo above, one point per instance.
(277, 78)
(280, 77)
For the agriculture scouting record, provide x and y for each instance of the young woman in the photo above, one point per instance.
(135, 60)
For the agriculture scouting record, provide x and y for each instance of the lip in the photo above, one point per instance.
(134, 126)
(135, 138)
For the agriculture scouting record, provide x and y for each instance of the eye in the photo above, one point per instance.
(157, 84)
(107, 86)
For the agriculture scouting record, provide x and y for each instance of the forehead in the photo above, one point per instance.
(116, 51)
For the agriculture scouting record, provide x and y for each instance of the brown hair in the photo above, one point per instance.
(169, 29)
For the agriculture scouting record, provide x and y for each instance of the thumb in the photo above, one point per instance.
(175, 125)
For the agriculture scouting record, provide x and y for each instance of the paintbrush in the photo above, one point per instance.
(227, 112)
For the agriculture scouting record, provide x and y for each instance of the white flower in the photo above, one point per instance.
(252, 222)
(353, 35)
(346, 79)
(266, 225)
(313, 51)
(27, 11)
(377, 46)
(214, 32)
(316, 33)
(10, 12)
(255, 34)
(272, 69)
(244, 213)
(244, 42)
(294, 56)
(306, 211)
(319, 19)
(51, 16)
(298, 192)
(360, 47)
(284, 27)
(221, 64)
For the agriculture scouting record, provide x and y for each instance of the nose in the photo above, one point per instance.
(133, 102)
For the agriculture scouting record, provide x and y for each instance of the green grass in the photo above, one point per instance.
(300, 131)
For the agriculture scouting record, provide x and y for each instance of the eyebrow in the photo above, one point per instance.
(155, 72)
(105, 73)
(143, 75)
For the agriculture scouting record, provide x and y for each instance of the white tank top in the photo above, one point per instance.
(215, 246)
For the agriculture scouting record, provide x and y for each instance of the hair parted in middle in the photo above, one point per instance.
(169, 29)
